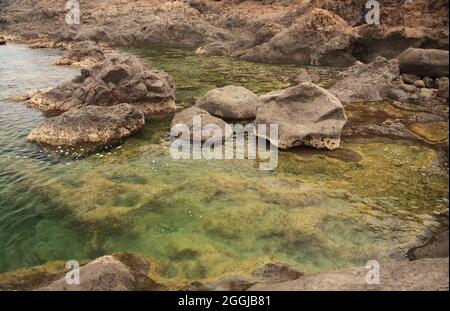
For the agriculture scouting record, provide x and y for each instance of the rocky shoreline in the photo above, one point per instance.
(113, 97)
(426, 270)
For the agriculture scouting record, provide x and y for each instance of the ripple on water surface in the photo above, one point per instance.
(202, 219)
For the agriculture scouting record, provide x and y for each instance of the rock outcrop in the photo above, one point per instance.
(208, 124)
(82, 54)
(111, 82)
(306, 114)
(420, 275)
(367, 82)
(90, 126)
(424, 62)
(316, 38)
(230, 103)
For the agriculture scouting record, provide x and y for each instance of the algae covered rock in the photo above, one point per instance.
(89, 126)
(306, 114)
(230, 103)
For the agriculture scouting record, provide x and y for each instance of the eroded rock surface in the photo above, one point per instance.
(111, 82)
(89, 126)
(306, 114)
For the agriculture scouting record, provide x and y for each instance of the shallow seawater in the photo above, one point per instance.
(202, 219)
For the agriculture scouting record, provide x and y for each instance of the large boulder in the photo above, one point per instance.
(316, 38)
(82, 54)
(424, 62)
(90, 126)
(186, 117)
(230, 103)
(103, 274)
(306, 114)
(366, 82)
(111, 82)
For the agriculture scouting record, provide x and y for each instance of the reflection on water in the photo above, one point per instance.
(202, 219)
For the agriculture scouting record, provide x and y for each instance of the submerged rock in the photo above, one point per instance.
(82, 54)
(424, 62)
(103, 274)
(230, 103)
(111, 82)
(276, 272)
(185, 118)
(367, 82)
(306, 114)
(89, 126)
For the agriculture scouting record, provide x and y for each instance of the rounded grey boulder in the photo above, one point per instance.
(230, 103)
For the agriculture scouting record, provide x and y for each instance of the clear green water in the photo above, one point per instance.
(203, 219)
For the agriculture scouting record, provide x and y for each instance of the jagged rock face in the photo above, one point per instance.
(316, 38)
(90, 126)
(103, 274)
(119, 80)
(185, 118)
(230, 103)
(82, 54)
(424, 62)
(306, 114)
(367, 82)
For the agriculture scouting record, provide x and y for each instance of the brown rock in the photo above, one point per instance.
(103, 274)
(306, 114)
(424, 62)
(111, 82)
(90, 126)
(82, 54)
(420, 275)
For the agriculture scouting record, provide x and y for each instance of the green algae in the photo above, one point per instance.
(434, 132)
(199, 220)
(199, 74)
